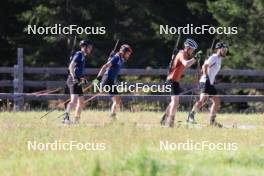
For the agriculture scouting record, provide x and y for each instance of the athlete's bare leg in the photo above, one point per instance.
(215, 105)
(116, 105)
(173, 109)
(70, 106)
(200, 103)
(214, 108)
(72, 103)
(165, 115)
(167, 112)
(196, 107)
(79, 107)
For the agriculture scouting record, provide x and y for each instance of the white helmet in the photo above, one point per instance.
(190, 43)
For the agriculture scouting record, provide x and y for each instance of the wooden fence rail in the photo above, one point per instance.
(18, 83)
(141, 98)
(54, 84)
(132, 72)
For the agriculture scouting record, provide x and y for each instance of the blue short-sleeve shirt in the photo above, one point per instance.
(113, 71)
(79, 59)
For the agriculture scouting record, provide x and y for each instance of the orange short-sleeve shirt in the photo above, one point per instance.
(178, 68)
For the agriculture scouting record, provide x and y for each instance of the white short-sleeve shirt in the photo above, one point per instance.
(214, 66)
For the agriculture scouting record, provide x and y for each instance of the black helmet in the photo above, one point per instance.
(85, 43)
(221, 45)
(126, 48)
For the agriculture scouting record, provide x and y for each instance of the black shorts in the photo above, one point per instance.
(74, 88)
(207, 88)
(109, 85)
(175, 87)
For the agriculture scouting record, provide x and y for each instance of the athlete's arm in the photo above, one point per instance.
(186, 63)
(98, 78)
(110, 63)
(71, 68)
(75, 60)
(104, 67)
(205, 69)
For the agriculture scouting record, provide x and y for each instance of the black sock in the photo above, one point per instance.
(212, 118)
(113, 114)
(172, 118)
(164, 116)
(66, 116)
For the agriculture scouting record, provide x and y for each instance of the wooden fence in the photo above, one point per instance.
(18, 83)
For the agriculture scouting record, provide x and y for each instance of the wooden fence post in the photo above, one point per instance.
(18, 81)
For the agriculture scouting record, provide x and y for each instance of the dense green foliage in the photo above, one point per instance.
(136, 22)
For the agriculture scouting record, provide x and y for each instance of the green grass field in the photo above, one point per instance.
(132, 145)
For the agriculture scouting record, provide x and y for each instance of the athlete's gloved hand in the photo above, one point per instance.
(76, 80)
(207, 78)
(198, 55)
(83, 81)
(97, 80)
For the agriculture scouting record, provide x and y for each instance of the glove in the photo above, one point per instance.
(97, 80)
(204, 78)
(76, 80)
(198, 55)
(207, 78)
(83, 81)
